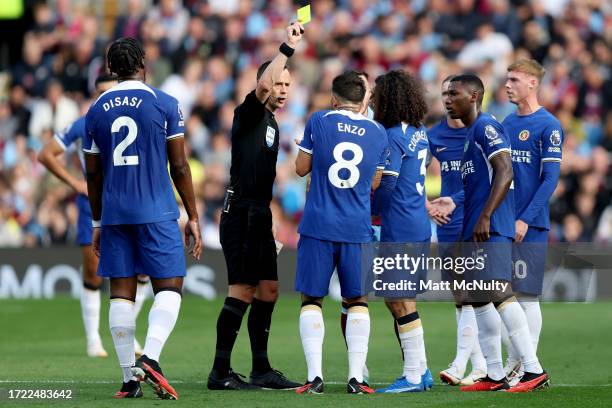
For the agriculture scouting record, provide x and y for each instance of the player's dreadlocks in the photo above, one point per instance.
(125, 57)
(399, 97)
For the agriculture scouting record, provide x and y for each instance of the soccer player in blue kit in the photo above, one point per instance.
(446, 142)
(489, 218)
(90, 294)
(133, 132)
(399, 105)
(536, 137)
(346, 152)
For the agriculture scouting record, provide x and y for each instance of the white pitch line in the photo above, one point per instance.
(45, 381)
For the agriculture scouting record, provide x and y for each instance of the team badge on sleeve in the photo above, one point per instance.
(524, 135)
(490, 132)
(555, 138)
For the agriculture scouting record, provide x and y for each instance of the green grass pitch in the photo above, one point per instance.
(42, 346)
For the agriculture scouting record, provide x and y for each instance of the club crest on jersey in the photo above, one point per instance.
(524, 135)
(490, 132)
(555, 138)
(270, 133)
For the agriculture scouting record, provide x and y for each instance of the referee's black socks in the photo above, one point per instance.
(228, 326)
(260, 318)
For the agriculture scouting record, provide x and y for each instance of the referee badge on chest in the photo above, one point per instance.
(270, 133)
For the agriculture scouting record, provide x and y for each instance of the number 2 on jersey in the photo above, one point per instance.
(118, 158)
(350, 165)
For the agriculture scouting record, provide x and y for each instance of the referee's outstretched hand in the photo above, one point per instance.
(192, 229)
(294, 34)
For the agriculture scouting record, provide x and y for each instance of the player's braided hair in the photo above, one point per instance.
(399, 97)
(125, 57)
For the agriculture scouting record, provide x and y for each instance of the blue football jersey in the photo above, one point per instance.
(129, 126)
(485, 138)
(73, 134)
(405, 219)
(446, 144)
(346, 150)
(536, 138)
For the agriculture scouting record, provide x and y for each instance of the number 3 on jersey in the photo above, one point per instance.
(341, 163)
(118, 158)
(423, 158)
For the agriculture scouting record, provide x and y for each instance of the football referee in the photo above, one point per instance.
(246, 227)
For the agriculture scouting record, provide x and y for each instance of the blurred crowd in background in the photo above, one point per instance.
(205, 53)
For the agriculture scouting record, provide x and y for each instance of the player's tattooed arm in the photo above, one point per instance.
(376, 179)
(181, 176)
(502, 179)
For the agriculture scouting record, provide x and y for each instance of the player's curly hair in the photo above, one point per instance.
(125, 57)
(399, 97)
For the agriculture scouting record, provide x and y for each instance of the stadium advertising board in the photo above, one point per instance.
(46, 273)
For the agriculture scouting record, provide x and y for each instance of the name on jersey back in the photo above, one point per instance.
(119, 101)
(416, 138)
(353, 129)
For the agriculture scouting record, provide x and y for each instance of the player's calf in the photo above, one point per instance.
(357, 337)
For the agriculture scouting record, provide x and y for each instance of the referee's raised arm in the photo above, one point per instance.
(273, 71)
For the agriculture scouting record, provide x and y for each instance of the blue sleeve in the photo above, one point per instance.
(393, 162)
(552, 141)
(384, 154)
(89, 145)
(548, 183)
(382, 195)
(490, 137)
(69, 135)
(175, 124)
(307, 142)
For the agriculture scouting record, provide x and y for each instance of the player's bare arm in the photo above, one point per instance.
(48, 158)
(272, 74)
(95, 178)
(303, 163)
(502, 179)
(181, 176)
(376, 179)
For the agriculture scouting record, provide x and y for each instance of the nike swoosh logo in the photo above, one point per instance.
(440, 149)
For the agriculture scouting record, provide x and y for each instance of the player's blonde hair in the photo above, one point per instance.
(529, 67)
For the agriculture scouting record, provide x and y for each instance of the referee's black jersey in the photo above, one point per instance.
(255, 139)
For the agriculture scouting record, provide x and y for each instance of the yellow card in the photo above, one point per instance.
(303, 14)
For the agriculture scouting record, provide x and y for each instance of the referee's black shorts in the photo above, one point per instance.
(248, 244)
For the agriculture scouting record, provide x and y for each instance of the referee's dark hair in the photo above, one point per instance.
(399, 97)
(125, 57)
(263, 67)
(106, 78)
(472, 81)
(349, 86)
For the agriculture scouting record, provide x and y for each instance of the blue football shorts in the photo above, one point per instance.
(154, 249)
